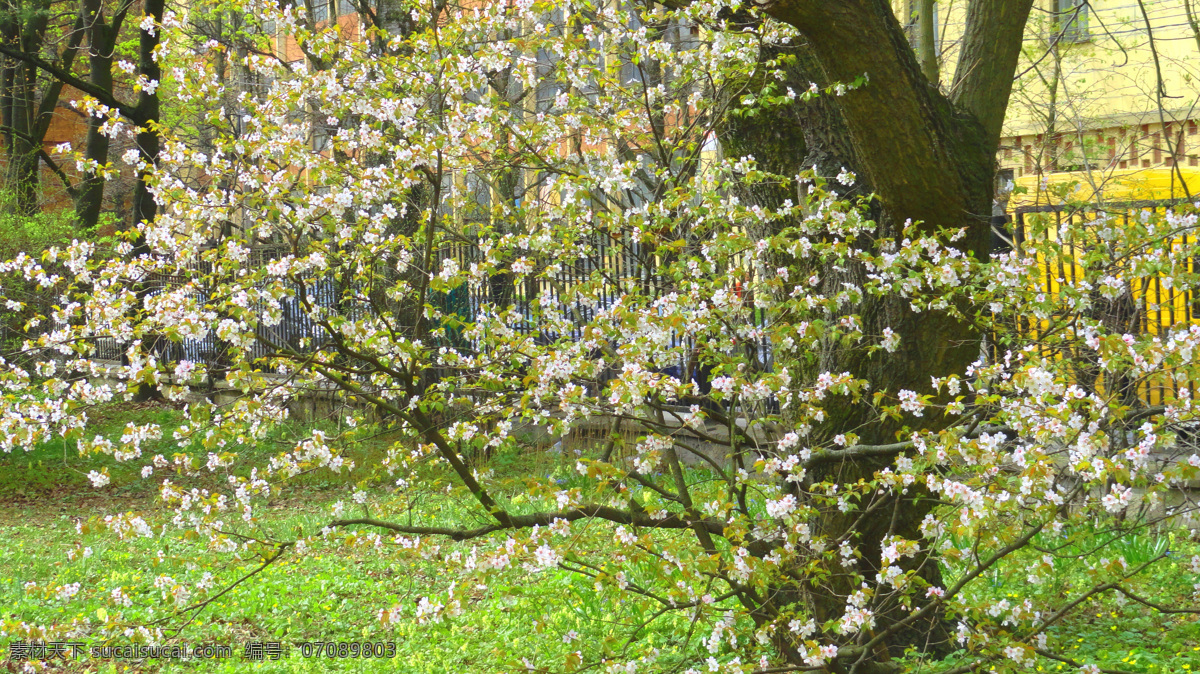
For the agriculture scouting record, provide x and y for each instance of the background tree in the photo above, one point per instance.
(27, 99)
(97, 30)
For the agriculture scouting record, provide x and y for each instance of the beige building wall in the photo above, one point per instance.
(1094, 91)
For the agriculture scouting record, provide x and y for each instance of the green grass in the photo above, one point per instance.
(1108, 629)
(331, 593)
(334, 592)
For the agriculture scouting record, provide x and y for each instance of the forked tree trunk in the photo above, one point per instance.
(928, 159)
(787, 142)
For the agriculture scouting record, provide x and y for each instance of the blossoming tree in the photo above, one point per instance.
(827, 464)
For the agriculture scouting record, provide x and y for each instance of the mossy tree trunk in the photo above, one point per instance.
(926, 157)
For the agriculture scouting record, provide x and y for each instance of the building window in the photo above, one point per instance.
(320, 137)
(631, 73)
(320, 11)
(478, 205)
(1173, 135)
(1071, 20)
(682, 37)
(548, 86)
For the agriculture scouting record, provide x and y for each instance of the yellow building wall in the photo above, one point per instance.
(1105, 188)
(1088, 95)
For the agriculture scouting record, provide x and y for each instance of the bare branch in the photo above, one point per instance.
(543, 519)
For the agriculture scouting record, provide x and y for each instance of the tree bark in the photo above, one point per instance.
(23, 27)
(788, 141)
(147, 140)
(991, 47)
(9, 30)
(926, 157)
(101, 41)
(927, 41)
(144, 206)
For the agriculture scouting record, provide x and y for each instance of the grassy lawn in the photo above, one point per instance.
(333, 593)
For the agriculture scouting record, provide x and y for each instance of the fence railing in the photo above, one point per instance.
(621, 264)
(1147, 305)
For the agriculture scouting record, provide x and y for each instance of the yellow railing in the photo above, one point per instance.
(1040, 207)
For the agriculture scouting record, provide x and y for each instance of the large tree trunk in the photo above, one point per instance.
(144, 206)
(790, 140)
(101, 40)
(926, 158)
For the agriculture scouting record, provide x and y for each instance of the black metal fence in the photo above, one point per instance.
(615, 265)
(612, 267)
(295, 329)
